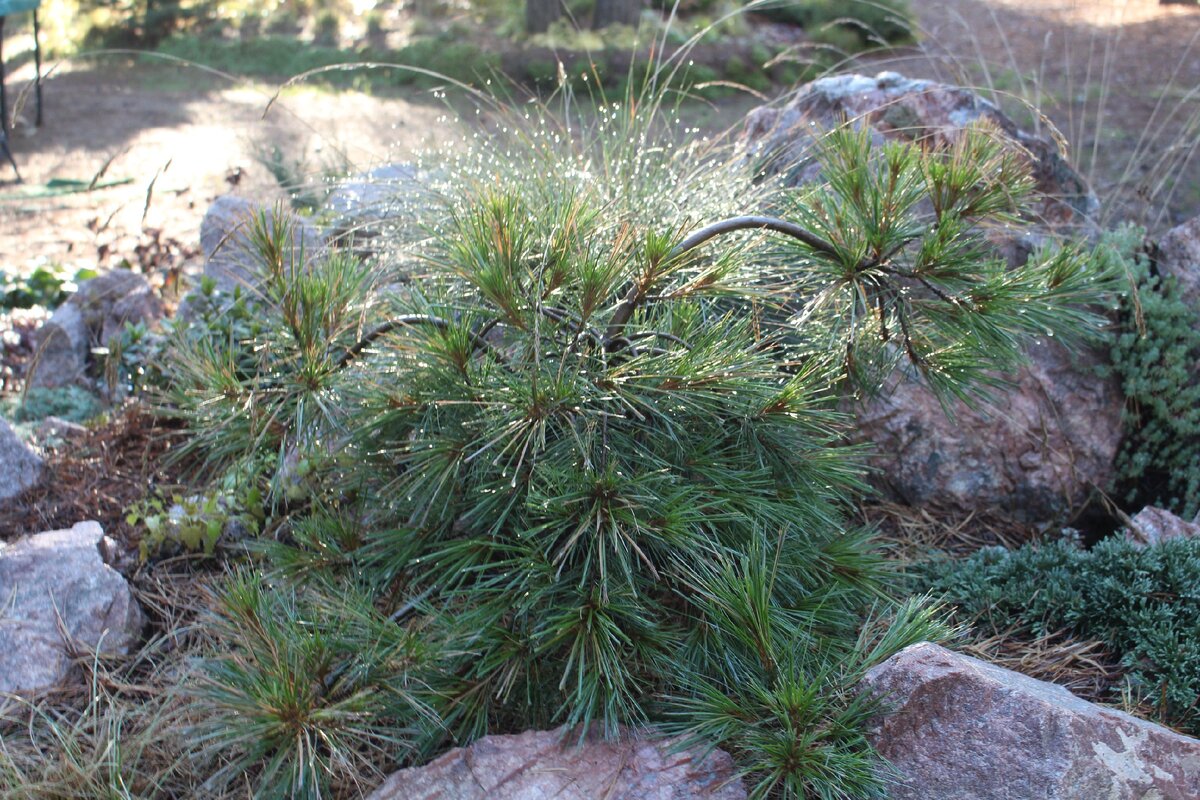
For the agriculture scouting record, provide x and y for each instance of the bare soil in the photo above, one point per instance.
(182, 138)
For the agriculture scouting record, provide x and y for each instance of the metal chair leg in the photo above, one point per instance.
(4, 148)
(3, 98)
(37, 66)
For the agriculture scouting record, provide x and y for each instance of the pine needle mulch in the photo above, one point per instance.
(97, 475)
(911, 533)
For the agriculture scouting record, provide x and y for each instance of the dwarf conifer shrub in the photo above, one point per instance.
(594, 438)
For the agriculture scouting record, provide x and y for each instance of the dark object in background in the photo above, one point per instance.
(12, 7)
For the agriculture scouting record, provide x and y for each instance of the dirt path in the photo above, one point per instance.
(181, 141)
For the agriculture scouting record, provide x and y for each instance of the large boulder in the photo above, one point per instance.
(373, 195)
(383, 200)
(115, 299)
(20, 467)
(1034, 456)
(99, 310)
(59, 595)
(1039, 453)
(545, 764)
(962, 728)
(1178, 256)
(896, 107)
(227, 239)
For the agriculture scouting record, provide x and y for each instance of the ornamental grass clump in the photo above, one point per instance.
(594, 443)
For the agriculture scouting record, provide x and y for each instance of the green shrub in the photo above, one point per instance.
(327, 28)
(601, 457)
(192, 524)
(872, 23)
(1143, 602)
(278, 56)
(1153, 356)
(310, 690)
(252, 374)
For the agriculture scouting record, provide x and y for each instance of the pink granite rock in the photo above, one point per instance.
(98, 310)
(1035, 455)
(962, 728)
(896, 107)
(58, 592)
(1179, 257)
(1053, 437)
(539, 765)
(1152, 525)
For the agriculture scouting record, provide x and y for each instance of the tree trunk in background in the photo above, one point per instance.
(616, 12)
(539, 14)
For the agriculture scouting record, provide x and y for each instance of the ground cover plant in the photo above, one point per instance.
(1139, 601)
(581, 462)
(1152, 355)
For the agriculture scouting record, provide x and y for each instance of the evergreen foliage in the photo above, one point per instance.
(315, 689)
(1153, 356)
(600, 456)
(1144, 602)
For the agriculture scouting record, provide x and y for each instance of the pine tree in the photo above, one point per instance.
(594, 442)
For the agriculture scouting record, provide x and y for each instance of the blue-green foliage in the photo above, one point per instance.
(67, 402)
(1154, 355)
(1144, 603)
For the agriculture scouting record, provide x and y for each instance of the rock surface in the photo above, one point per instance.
(225, 237)
(963, 728)
(55, 583)
(63, 343)
(1055, 433)
(98, 310)
(539, 764)
(374, 194)
(1035, 455)
(364, 207)
(110, 301)
(1152, 525)
(1179, 257)
(56, 429)
(20, 467)
(896, 107)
